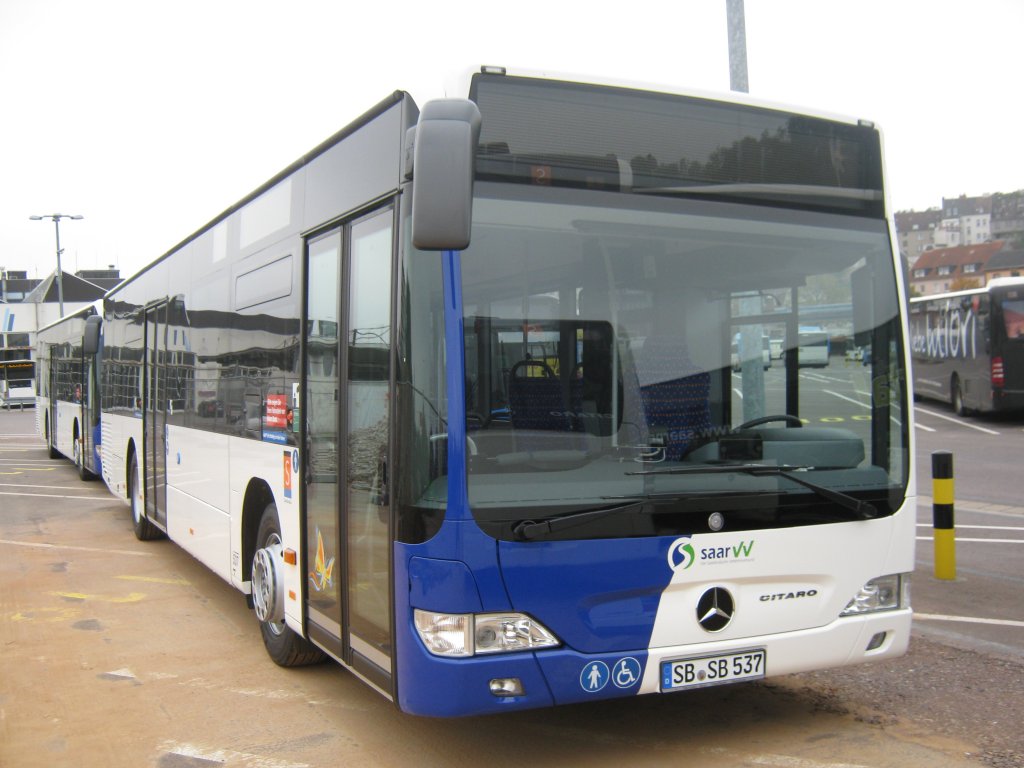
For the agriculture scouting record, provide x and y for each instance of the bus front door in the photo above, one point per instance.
(346, 417)
(155, 414)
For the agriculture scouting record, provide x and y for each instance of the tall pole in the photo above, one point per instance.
(60, 275)
(737, 46)
(56, 226)
(751, 341)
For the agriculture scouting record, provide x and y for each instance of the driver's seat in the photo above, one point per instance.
(676, 395)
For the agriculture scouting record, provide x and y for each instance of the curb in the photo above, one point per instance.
(976, 506)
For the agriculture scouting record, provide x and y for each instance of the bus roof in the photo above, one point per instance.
(458, 86)
(996, 282)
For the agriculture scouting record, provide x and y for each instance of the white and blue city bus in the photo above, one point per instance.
(452, 400)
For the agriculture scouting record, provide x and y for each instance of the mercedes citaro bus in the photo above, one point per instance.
(451, 398)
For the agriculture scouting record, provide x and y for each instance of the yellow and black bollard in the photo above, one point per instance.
(942, 515)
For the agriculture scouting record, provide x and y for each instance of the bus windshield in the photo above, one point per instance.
(1013, 317)
(610, 338)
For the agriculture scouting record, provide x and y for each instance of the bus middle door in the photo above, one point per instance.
(155, 413)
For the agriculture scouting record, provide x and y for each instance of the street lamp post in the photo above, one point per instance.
(56, 226)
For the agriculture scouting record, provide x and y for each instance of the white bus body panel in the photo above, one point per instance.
(785, 566)
(201, 530)
(197, 499)
(119, 431)
(63, 428)
(204, 509)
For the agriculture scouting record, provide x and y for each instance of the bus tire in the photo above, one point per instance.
(79, 457)
(956, 396)
(284, 646)
(52, 451)
(144, 530)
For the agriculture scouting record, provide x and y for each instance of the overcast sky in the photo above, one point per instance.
(150, 118)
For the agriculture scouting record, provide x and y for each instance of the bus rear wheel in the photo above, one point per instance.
(283, 645)
(956, 396)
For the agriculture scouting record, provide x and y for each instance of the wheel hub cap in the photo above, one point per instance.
(268, 584)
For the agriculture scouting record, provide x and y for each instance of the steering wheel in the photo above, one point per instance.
(792, 421)
(546, 370)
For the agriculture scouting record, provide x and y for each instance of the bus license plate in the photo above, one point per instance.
(701, 671)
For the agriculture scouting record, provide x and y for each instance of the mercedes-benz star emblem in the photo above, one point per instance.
(715, 609)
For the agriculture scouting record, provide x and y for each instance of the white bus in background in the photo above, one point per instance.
(17, 383)
(813, 345)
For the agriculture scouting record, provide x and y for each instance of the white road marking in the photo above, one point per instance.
(223, 756)
(956, 421)
(847, 399)
(59, 496)
(981, 527)
(29, 485)
(788, 761)
(43, 545)
(979, 541)
(893, 419)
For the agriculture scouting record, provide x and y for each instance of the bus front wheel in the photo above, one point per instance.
(79, 457)
(283, 645)
(144, 530)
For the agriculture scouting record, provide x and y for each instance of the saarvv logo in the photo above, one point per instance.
(680, 554)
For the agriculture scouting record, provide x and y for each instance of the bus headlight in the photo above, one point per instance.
(886, 593)
(465, 634)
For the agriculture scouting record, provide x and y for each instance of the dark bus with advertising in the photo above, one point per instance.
(452, 398)
(968, 347)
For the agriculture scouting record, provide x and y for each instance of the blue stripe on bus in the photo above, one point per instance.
(455, 354)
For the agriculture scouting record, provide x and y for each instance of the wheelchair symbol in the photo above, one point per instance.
(626, 672)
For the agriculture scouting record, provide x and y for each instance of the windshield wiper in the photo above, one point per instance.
(527, 530)
(862, 509)
(768, 190)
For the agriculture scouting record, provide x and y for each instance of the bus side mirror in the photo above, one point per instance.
(91, 336)
(443, 155)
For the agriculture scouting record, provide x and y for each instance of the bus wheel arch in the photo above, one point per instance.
(266, 568)
(76, 445)
(257, 497)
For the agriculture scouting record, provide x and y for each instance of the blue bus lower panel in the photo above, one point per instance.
(456, 687)
(603, 611)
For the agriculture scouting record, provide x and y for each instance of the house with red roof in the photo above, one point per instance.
(946, 269)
